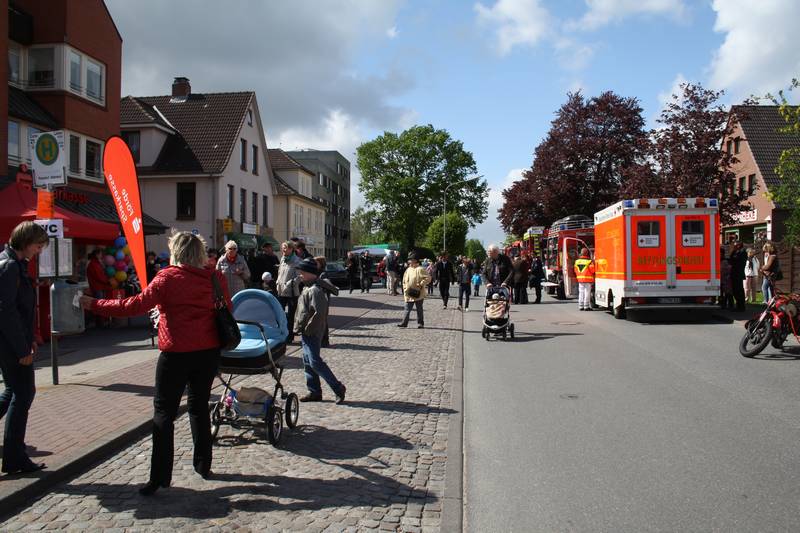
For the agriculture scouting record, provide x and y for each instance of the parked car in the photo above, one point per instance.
(337, 274)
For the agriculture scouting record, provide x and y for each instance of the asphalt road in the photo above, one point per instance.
(587, 423)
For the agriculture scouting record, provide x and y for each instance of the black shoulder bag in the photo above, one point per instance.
(229, 334)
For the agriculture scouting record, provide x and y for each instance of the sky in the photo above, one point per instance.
(331, 74)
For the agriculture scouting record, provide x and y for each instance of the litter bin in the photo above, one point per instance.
(66, 318)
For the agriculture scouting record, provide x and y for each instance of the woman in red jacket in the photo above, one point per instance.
(189, 342)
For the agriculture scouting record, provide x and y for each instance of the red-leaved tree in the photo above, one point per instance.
(591, 148)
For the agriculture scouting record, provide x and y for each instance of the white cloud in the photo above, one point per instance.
(759, 53)
(573, 55)
(603, 12)
(519, 23)
(392, 32)
(489, 230)
(665, 97)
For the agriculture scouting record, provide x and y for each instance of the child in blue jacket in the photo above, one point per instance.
(476, 282)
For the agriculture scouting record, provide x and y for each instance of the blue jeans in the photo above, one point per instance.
(316, 368)
(766, 289)
(15, 401)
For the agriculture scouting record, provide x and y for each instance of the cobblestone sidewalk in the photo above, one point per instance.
(375, 463)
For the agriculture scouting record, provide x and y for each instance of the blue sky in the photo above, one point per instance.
(332, 74)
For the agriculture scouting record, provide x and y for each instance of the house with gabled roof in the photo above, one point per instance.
(757, 143)
(202, 164)
(297, 212)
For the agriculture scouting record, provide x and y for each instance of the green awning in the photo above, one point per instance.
(244, 241)
(264, 239)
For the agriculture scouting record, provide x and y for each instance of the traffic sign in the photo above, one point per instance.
(54, 227)
(48, 159)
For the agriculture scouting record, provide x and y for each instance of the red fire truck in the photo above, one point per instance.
(564, 241)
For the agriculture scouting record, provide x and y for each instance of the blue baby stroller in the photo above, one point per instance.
(262, 323)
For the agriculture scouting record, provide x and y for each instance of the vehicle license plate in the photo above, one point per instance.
(669, 300)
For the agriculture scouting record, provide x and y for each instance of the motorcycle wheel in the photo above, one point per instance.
(778, 338)
(756, 338)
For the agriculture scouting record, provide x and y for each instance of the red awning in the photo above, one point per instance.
(18, 203)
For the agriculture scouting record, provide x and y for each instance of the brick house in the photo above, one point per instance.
(757, 143)
(297, 212)
(202, 163)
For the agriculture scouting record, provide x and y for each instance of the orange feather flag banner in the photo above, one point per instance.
(120, 173)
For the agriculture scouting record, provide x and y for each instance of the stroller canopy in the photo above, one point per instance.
(255, 305)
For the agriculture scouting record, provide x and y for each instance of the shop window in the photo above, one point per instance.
(74, 154)
(14, 65)
(133, 140)
(93, 153)
(94, 80)
(75, 71)
(648, 234)
(187, 199)
(41, 67)
(13, 140)
(230, 201)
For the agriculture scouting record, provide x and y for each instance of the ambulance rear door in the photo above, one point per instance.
(693, 262)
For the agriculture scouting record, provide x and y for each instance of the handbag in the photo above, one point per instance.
(228, 329)
(413, 292)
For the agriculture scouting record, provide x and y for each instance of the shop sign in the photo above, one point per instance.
(747, 216)
(53, 227)
(227, 225)
(47, 157)
(249, 229)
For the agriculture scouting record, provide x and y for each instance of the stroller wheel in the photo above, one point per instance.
(505, 334)
(216, 419)
(274, 422)
(292, 410)
(511, 330)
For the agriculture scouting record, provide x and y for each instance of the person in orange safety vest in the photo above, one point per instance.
(584, 272)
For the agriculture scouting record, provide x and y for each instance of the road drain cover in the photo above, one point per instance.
(567, 323)
(569, 396)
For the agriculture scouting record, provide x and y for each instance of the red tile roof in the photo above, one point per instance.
(207, 127)
(280, 160)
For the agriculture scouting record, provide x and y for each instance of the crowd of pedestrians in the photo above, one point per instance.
(740, 270)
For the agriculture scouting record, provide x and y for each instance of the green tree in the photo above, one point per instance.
(457, 228)
(474, 249)
(365, 228)
(403, 178)
(511, 239)
(787, 194)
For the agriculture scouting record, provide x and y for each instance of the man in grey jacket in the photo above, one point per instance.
(310, 322)
(287, 285)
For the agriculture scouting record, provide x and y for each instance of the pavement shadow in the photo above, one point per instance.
(530, 337)
(400, 407)
(253, 493)
(363, 347)
(791, 353)
(677, 316)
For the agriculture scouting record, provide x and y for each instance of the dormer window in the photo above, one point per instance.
(133, 140)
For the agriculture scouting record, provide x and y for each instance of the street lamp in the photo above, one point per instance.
(444, 207)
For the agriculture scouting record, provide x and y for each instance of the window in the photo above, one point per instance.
(264, 210)
(249, 117)
(41, 67)
(74, 154)
(230, 201)
(94, 80)
(648, 234)
(729, 146)
(242, 205)
(338, 168)
(693, 233)
(255, 159)
(133, 140)
(13, 139)
(736, 142)
(75, 71)
(14, 65)
(186, 201)
(321, 180)
(751, 184)
(243, 155)
(93, 168)
(254, 207)
(308, 220)
(741, 185)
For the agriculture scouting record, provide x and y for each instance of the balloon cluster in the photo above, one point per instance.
(118, 262)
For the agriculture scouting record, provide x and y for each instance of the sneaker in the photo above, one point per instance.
(402, 325)
(420, 326)
(340, 395)
(459, 308)
(444, 306)
(466, 309)
(311, 398)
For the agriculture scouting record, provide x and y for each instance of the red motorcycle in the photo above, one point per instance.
(780, 318)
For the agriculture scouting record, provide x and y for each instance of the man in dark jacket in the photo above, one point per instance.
(738, 261)
(17, 347)
(444, 275)
(464, 278)
(537, 275)
(351, 265)
(266, 261)
(497, 268)
(364, 269)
